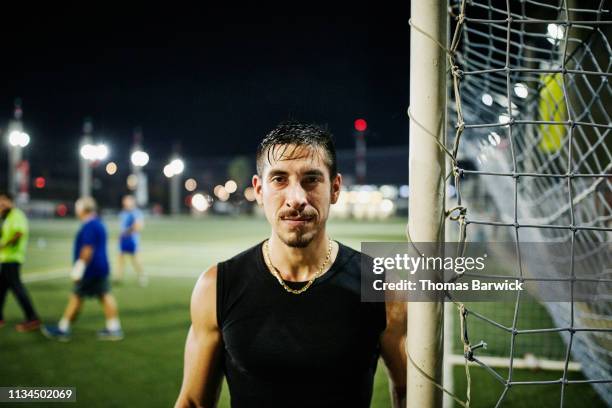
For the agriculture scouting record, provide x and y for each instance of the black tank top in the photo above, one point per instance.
(317, 349)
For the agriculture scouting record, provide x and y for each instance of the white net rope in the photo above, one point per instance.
(530, 150)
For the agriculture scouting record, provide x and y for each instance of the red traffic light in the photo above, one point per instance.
(361, 125)
(40, 182)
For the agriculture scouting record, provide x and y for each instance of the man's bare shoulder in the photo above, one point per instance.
(204, 299)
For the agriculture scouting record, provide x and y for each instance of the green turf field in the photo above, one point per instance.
(145, 369)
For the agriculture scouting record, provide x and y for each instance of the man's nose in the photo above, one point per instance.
(296, 197)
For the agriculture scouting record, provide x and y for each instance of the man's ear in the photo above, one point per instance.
(258, 188)
(335, 188)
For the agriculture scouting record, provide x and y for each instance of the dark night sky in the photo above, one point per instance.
(216, 78)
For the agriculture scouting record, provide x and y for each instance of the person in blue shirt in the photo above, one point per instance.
(90, 274)
(131, 224)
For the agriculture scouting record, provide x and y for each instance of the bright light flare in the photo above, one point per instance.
(102, 151)
(191, 185)
(389, 191)
(494, 138)
(231, 186)
(504, 118)
(555, 32)
(521, 90)
(139, 158)
(93, 152)
(249, 194)
(221, 193)
(200, 202)
(386, 207)
(487, 99)
(111, 168)
(17, 138)
(175, 167)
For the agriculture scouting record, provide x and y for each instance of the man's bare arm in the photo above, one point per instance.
(393, 350)
(202, 373)
(137, 226)
(86, 253)
(13, 240)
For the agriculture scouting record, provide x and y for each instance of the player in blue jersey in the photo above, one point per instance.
(90, 275)
(131, 224)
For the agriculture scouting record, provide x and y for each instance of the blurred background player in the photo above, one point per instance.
(131, 224)
(13, 243)
(90, 274)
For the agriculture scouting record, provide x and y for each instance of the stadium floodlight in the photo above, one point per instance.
(487, 99)
(191, 184)
(93, 152)
(175, 167)
(555, 32)
(224, 195)
(17, 138)
(249, 193)
(101, 151)
(200, 202)
(231, 186)
(139, 158)
(388, 191)
(87, 151)
(171, 171)
(111, 168)
(363, 197)
(221, 193)
(521, 90)
(494, 138)
(504, 118)
(386, 207)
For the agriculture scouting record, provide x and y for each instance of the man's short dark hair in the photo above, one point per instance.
(6, 194)
(298, 134)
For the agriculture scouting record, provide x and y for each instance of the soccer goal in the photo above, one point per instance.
(526, 135)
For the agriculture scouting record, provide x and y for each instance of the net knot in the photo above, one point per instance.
(460, 216)
(456, 72)
(460, 126)
(469, 350)
(457, 171)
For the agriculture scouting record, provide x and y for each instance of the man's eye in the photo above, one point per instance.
(312, 179)
(278, 179)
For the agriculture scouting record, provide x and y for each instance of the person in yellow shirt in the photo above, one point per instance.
(13, 243)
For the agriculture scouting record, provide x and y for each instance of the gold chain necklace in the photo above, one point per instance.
(280, 279)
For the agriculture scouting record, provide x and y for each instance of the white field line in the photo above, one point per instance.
(153, 242)
(156, 271)
(48, 275)
(161, 274)
(504, 362)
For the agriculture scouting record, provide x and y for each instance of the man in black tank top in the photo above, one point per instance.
(283, 320)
